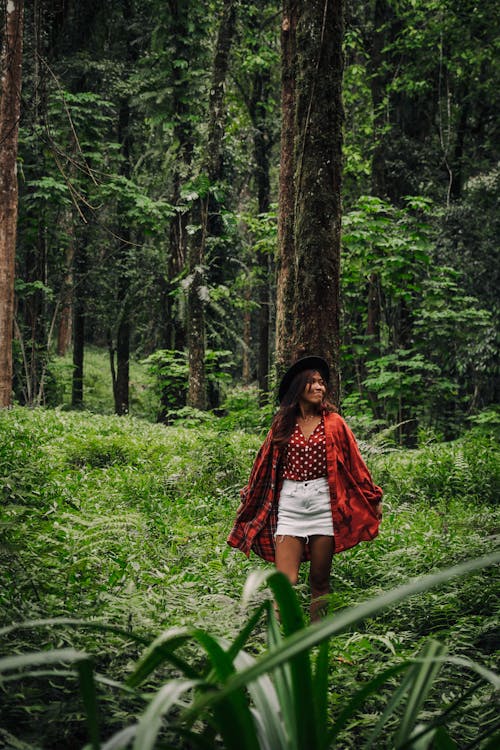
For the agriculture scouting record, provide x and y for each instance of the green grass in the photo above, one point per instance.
(119, 521)
(97, 386)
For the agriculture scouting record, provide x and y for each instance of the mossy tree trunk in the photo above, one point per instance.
(10, 107)
(285, 287)
(309, 319)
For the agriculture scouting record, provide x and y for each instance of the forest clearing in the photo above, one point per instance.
(223, 222)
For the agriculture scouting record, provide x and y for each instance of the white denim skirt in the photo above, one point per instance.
(304, 508)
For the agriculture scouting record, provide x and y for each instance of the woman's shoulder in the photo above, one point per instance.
(334, 420)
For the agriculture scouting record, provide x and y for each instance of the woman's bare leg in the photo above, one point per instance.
(289, 551)
(322, 549)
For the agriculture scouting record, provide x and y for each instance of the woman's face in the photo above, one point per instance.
(314, 392)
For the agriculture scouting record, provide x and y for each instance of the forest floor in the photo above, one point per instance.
(121, 521)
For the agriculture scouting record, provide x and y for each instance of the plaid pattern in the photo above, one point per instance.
(352, 492)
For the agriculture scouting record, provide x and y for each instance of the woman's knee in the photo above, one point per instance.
(320, 580)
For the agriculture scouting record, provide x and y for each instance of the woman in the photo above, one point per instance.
(310, 494)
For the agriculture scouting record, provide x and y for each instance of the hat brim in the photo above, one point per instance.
(305, 363)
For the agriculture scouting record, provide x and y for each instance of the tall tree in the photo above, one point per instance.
(262, 144)
(317, 177)
(121, 377)
(209, 219)
(285, 290)
(10, 108)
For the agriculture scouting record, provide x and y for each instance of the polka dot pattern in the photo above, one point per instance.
(306, 459)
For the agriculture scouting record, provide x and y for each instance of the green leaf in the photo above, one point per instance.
(151, 721)
(305, 639)
(89, 695)
(320, 694)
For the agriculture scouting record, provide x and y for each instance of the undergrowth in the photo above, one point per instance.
(118, 521)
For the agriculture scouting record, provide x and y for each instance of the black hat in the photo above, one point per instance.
(305, 363)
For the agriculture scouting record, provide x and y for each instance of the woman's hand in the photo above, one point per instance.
(378, 510)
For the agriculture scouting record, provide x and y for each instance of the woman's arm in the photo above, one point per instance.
(257, 464)
(358, 469)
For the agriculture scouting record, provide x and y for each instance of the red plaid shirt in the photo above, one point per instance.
(353, 495)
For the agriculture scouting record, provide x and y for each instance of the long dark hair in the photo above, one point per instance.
(284, 420)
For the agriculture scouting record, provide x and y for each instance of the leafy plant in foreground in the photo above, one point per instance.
(277, 701)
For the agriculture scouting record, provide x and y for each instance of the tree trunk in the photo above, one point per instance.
(79, 323)
(285, 286)
(209, 214)
(261, 148)
(10, 108)
(173, 334)
(196, 298)
(317, 214)
(121, 383)
(247, 337)
(65, 327)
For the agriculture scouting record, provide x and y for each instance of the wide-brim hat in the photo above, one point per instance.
(305, 363)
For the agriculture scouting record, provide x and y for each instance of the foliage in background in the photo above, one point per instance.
(431, 357)
(117, 193)
(123, 523)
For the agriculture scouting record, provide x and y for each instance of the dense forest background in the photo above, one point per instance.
(180, 166)
(149, 152)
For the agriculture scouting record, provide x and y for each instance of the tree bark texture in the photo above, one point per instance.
(285, 283)
(173, 333)
(314, 294)
(65, 327)
(121, 383)
(209, 215)
(79, 309)
(10, 108)
(261, 149)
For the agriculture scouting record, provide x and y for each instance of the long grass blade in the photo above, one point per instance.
(320, 694)
(151, 721)
(121, 739)
(267, 712)
(360, 696)
(337, 623)
(290, 610)
(89, 696)
(443, 741)
(423, 676)
(35, 658)
(282, 679)
(234, 718)
(242, 637)
(61, 621)
(396, 700)
(439, 721)
(301, 712)
(415, 685)
(424, 737)
(292, 622)
(161, 650)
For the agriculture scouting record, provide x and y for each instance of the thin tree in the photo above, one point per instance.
(208, 214)
(10, 108)
(308, 321)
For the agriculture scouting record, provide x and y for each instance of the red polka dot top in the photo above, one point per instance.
(306, 459)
